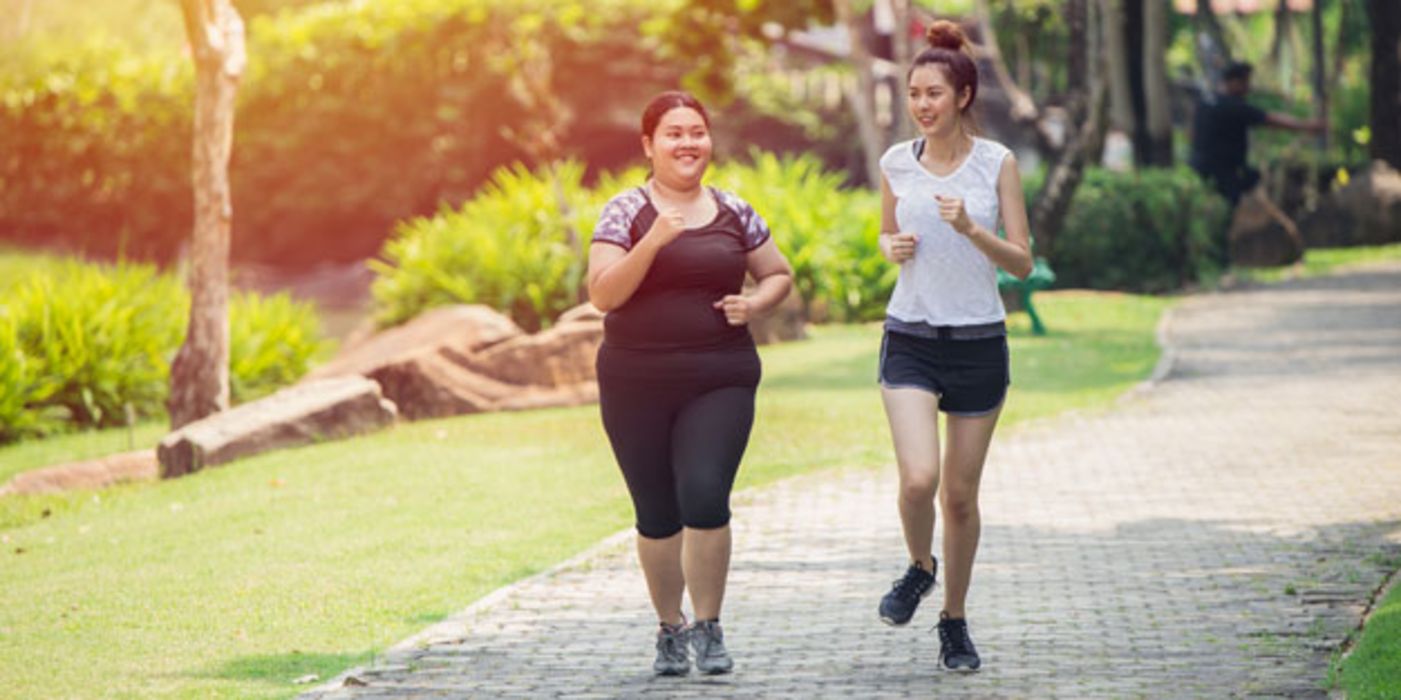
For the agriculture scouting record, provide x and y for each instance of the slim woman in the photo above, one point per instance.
(677, 370)
(945, 347)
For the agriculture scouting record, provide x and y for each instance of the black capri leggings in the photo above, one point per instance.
(678, 423)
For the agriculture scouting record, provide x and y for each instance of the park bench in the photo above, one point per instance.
(1041, 277)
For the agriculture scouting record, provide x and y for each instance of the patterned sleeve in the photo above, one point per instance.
(755, 231)
(615, 221)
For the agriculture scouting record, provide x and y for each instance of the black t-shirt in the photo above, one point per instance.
(673, 308)
(1221, 134)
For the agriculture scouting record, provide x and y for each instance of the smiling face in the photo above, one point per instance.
(934, 105)
(679, 148)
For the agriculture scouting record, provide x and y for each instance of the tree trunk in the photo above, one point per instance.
(1386, 80)
(1133, 57)
(1320, 73)
(1086, 123)
(1156, 94)
(1216, 59)
(1024, 109)
(199, 376)
(1116, 48)
(860, 98)
(903, 56)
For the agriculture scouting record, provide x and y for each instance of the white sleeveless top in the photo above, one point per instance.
(949, 282)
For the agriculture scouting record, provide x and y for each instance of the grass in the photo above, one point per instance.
(1373, 670)
(234, 581)
(1322, 261)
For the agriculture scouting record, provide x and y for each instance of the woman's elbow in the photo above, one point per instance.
(600, 300)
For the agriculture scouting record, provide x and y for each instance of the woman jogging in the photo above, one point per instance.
(945, 345)
(677, 370)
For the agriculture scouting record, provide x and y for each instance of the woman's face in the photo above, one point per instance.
(934, 105)
(679, 148)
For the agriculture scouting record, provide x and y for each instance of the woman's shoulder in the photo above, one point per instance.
(901, 153)
(732, 201)
(991, 151)
(631, 199)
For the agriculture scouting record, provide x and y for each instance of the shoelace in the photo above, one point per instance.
(674, 644)
(953, 635)
(906, 586)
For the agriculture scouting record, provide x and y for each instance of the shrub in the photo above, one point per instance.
(509, 247)
(1153, 231)
(351, 116)
(80, 342)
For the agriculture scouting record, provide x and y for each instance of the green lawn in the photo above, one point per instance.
(1321, 261)
(1373, 670)
(234, 581)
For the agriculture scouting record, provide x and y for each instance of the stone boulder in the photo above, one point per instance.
(90, 474)
(313, 411)
(781, 324)
(470, 359)
(1258, 239)
(1367, 211)
(463, 328)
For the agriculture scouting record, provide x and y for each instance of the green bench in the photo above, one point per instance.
(1041, 277)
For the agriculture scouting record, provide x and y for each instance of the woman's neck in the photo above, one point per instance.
(671, 193)
(947, 148)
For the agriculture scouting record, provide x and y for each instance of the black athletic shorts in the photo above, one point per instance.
(970, 377)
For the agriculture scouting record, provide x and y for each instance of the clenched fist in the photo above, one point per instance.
(951, 210)
(898, 247)
(668, 226)
(737, 309)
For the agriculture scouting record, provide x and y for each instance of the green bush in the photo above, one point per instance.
(273, 341)
(828, 233)
(351, 117)
(1153, 231)
(509, 247)
(81, 342)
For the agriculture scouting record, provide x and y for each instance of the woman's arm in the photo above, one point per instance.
(897, 247)
(1014, 253)
(614, 273)
(773, 280)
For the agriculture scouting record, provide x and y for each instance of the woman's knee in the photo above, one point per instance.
(918, 488)
(960, 502)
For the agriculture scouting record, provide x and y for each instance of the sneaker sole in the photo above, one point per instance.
(671, 674)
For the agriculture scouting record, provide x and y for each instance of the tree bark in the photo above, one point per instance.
(860, 98)
(199, 376)
(1116, 48)
(1386, 80)
(1157, 105)
(1320, 73)
(903, 56)
(1024, 109)
(1086, 127)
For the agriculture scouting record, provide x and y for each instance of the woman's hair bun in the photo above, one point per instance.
(943, 34)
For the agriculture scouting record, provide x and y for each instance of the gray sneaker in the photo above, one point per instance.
(672, 659)
(709, 642)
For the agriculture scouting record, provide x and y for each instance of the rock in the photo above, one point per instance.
(91, 474)
(309, 412)
(781, 324)
(582, 312)
(429, 384)
(1258, 239)
(1367, 211)
(560, 356)
(463, 328)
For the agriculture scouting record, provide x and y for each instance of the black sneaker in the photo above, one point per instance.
(898, 606)
(956, 651)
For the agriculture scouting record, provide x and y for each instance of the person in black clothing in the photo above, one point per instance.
(1221, 139)
(678, 370)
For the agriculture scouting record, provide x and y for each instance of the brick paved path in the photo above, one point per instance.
(1213, 536)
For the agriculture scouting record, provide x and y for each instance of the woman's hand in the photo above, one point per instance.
(898, 247)
(669, 224)
(738, 309)
(951, 210)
